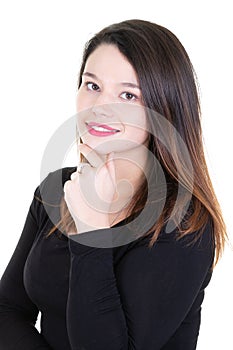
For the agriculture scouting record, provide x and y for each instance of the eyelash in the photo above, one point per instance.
(90, 82)
(134, 97)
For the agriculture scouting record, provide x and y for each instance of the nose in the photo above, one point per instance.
(102, 110)
(103, 106)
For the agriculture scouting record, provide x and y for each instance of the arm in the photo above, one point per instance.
(95, 318)
(18, 314)
(143, 302)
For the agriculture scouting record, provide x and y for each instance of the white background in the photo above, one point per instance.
(41, 47)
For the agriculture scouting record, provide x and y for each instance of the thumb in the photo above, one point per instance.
(111, 166)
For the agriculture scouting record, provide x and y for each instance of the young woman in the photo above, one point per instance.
(99, 280)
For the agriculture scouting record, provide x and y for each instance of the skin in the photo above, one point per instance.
(109, 94)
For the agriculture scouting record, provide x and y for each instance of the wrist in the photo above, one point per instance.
(91, 226)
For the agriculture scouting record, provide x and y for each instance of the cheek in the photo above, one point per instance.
(82, 101)
(136, 127)
(136, 134)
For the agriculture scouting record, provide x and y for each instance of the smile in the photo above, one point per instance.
(100, 129)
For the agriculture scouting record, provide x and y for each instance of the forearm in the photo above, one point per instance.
(91, 224)
(95, 318)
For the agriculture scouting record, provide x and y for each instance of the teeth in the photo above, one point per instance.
(99, 128)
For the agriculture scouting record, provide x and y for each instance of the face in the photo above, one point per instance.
(110, 111)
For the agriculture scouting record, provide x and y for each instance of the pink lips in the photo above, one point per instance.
(101, 126)
(100, 133)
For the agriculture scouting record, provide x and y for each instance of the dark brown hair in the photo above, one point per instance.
(168, 84)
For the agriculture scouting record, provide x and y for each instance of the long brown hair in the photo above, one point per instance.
(169, 87)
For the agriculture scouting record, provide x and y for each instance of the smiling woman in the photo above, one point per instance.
(138, 116)
(104, 100)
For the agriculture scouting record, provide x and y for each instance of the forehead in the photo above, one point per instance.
(109, 64)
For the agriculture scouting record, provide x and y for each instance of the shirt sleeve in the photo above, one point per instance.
(18, 314)
(142, 302)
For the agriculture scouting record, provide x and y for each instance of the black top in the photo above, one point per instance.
(126, 297)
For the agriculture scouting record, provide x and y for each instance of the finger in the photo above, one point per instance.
(111, 166)
(66, 186)
(74, 175)
(93, 158)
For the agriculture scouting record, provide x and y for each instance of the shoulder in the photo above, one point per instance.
(198, 243)
(48, 195)
(191, 255)
(51, 187)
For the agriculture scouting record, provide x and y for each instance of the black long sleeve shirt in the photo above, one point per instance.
(125, 297)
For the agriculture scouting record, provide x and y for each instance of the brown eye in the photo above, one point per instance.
(128, 96)
(92, 86)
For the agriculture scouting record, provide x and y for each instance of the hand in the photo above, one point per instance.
(89, 195)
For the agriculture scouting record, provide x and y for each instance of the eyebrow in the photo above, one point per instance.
(126, 84)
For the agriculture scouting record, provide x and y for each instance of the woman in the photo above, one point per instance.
(137, 97)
